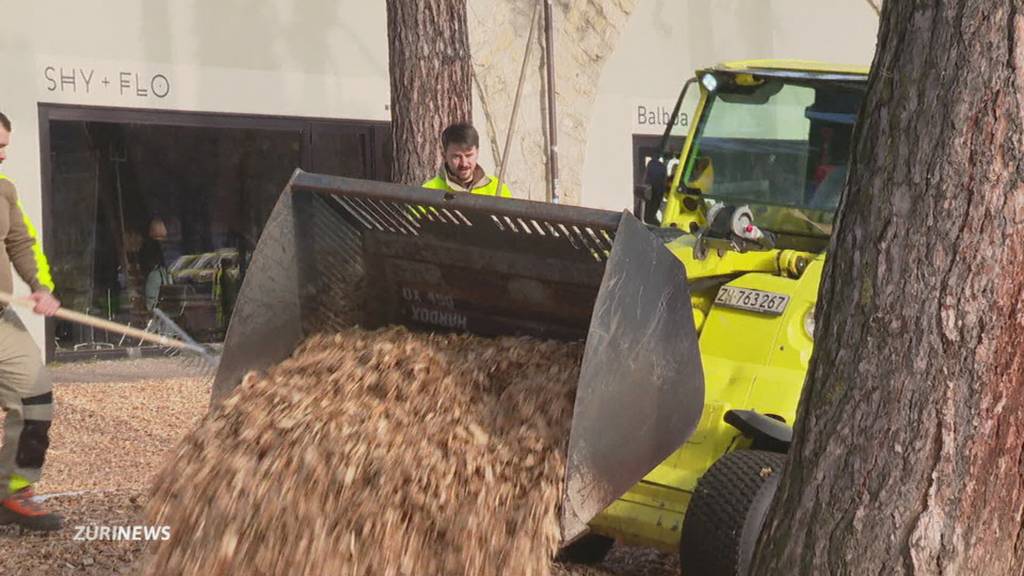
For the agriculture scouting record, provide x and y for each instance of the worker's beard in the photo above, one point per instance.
(459, 178)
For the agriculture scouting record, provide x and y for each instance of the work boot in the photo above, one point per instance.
(23, 509)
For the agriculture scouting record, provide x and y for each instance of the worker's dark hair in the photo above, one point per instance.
(461, 134)
(5, 122)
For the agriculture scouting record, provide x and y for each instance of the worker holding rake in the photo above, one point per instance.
(26, 392)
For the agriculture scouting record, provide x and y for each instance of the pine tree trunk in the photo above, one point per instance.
(908, 455)
(431, 81)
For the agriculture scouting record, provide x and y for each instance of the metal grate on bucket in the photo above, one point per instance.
(339, 252)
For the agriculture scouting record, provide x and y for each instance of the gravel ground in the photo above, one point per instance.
(115, 435)
(30, 554)
(126, 370)
(116, 423)
(626, 561)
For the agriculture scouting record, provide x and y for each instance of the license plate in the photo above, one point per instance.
(752, 300)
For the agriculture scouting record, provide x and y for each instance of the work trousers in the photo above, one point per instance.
(26, 395)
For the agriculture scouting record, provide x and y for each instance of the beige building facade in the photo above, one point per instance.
(113, 101)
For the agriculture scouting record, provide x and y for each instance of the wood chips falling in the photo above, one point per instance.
(377, 453)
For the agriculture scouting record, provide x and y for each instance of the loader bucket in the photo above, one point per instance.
(338, 252)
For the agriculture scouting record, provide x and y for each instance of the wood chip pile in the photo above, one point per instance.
(383, 453)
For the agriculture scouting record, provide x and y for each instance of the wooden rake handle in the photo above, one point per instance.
(87, 320)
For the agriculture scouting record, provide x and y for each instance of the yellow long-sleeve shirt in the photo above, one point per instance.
(22, 246)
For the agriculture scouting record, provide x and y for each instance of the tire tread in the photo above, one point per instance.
(713, 526)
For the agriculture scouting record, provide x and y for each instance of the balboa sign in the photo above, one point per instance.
(651, 117)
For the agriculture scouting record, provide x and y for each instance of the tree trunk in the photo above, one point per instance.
(908, 455)
(431, 81)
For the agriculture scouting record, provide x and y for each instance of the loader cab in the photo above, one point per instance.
(774, 138)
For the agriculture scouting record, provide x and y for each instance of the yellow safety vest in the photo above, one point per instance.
(439, 182)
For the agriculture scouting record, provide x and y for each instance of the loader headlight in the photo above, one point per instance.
(710, 82)
(809, 322)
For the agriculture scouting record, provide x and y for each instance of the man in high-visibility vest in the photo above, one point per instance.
(460, 171)
(26, 392)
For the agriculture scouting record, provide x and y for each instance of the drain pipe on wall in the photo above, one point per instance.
(519, 94)
(549, 50)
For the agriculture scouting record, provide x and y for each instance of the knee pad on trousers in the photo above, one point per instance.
(32, 445)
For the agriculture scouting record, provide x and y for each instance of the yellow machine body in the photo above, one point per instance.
(751, 360)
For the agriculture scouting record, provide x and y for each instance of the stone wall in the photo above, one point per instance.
(586, 32)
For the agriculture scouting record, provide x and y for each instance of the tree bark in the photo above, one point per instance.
(431, 81)
(909, 442)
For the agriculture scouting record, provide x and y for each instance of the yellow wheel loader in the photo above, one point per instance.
(698, 326)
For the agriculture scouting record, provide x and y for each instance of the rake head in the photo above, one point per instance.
(200, 361)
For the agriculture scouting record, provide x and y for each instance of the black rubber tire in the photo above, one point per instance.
(727, 512)
(590, 549)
